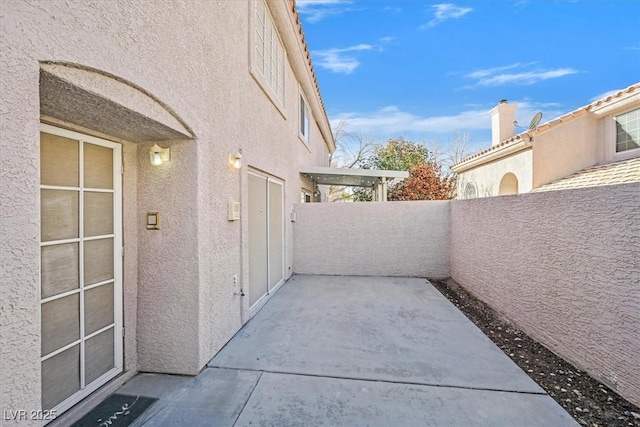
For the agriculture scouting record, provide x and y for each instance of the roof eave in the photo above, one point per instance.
(499, 153)
(317, 108)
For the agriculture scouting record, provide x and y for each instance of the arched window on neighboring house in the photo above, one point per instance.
(508, 184)
(470, 191)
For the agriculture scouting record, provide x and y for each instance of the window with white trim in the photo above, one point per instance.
(627, 131)
(269, 52)
(470, 191)
(304, 119)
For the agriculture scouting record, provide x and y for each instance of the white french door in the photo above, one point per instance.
(80, 265)
(266, 236)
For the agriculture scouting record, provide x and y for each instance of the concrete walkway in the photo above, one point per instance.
(353, 351)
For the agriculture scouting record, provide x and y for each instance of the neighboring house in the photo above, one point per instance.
(121, 124)
(604, 133)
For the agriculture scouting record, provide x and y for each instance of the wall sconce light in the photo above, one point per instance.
(159, 155)
(235, 160)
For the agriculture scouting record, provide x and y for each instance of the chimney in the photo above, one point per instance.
(502, 117)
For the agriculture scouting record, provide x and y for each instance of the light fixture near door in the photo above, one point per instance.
(159, 155)
(235, 160)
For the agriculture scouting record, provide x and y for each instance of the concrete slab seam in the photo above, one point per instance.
(377, 381)
(248, 397)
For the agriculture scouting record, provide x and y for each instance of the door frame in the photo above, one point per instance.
(282, 246)
(118, 249)
(270, 289)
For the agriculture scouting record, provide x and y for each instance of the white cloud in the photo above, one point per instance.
(317, 10)
(336, 60)
(391, 121)
(479, 74)
(604, 95)
(527, 78)
(391, 9)
(446, 11)
(497, 77)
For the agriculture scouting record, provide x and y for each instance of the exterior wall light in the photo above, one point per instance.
(159, 155)
(235, 160)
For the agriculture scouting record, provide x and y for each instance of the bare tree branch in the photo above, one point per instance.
(352, 151)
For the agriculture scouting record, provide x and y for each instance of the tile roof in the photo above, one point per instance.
(524, 136)
(296, 16)
(623, 172)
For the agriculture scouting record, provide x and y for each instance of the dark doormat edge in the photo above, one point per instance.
(117, 410)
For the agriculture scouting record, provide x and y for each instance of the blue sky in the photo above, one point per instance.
(426, 69)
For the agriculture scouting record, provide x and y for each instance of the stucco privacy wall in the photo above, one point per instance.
(565, 267)
(372, 239)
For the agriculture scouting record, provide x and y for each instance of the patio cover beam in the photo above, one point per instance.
(378, 180)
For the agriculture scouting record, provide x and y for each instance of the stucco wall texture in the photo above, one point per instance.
(194, 58)
(565, 267)
(372, 239)
(487, 178)
(567, 148)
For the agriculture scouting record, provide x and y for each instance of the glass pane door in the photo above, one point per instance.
(81, 283)
(266, 236)
(258, 257)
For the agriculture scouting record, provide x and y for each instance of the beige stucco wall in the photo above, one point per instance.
(564, 266)
(488, 176)
(372, 239)
(566, 148)
(193, 58)
(168, 268)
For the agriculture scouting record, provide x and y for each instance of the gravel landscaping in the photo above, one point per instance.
(587, 400)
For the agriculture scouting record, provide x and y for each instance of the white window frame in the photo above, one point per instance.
(626, 154)
(264, 62)
(470, 185)
(87, 389)
(304, 119)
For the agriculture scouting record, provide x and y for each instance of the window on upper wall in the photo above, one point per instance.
(627, 131)
(304, 119)
(470, 191)
(269, 52)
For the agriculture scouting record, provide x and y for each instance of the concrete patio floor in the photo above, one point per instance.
(353, 351)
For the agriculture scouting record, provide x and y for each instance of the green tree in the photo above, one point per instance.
(400, 154)
(426, 180)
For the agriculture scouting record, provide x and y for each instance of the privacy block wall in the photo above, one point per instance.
(565, 267)
(372, 239)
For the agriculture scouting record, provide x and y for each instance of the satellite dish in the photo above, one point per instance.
(535, 121)
(533, 124)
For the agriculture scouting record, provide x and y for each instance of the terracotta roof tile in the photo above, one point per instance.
(296, 15)
(623, 172)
